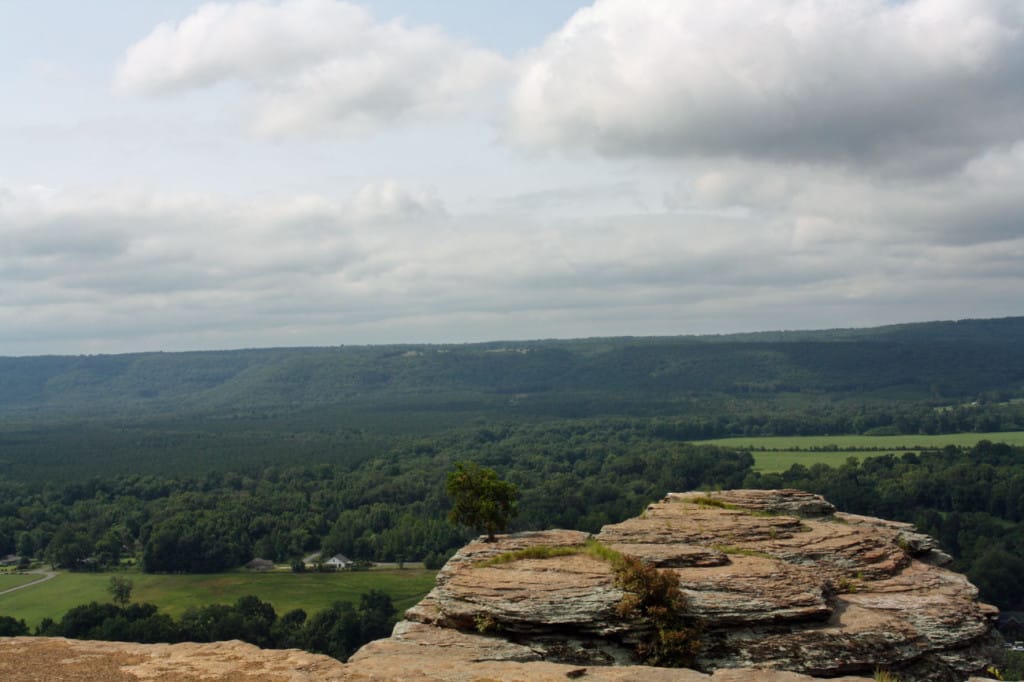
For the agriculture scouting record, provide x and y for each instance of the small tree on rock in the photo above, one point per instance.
(480, 499)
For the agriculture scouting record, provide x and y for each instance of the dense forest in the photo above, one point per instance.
(939, 361)
(172, 414)
(580, 474)
(198, 462)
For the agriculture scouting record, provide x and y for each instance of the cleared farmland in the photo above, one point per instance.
(176, 593)
(778, 453)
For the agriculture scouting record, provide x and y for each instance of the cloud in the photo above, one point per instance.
(742, 245)
(910, 86)
(389, 201)
(311, 64)
(979, 203)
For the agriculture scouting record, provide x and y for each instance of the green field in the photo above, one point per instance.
(175, 593)
(778, 453)
(11, 579)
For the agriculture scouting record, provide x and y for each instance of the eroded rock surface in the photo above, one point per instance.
(783, 588)
(45, 659)
(775, 580)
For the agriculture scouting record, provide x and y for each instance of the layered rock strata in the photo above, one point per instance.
(781, 587)
(774, 580)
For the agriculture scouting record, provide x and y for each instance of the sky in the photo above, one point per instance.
(180, 175)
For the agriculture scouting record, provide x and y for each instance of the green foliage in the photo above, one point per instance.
(11, 627)
(571, 475)
(485, 623)
(1013, 665)
(120, 590)
(535, 552)
(601, 551)
(174, 594)
(336, 631)
(480, 499)
(708, 501)
(173, 414)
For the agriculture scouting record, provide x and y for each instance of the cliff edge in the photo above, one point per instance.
(769, 585)
(771, 579)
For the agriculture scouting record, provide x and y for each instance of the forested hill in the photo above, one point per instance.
(937, 361)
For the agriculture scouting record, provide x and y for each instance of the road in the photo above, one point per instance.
(45, 575)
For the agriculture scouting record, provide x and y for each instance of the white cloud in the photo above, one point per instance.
(910, 85)
(312, 64)
(389, 263)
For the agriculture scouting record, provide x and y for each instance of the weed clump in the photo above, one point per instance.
(655, 596)
(651, 595)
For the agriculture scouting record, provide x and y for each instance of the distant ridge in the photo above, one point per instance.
(952, 360)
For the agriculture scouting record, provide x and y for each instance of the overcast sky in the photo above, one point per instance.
(178, 175)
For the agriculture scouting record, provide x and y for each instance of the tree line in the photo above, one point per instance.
(337, 631)
(579, 474)
(389, 508)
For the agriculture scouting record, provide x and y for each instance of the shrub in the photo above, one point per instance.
(655, 596)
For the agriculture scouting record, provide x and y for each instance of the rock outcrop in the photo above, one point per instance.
(774, 580)
(450, 657)
(779, 587)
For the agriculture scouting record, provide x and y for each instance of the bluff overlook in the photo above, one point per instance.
(770, 579)
(770, 585)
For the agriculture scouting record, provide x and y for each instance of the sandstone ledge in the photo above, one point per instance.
(46, 659)
(776, 580)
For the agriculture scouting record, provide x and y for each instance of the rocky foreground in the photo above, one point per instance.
(778, 586)
(775, 580)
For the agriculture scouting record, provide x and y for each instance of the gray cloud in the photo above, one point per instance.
(911, 86)
(822, 206)
(819, 164)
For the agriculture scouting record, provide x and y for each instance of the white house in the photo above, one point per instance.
(339, 561)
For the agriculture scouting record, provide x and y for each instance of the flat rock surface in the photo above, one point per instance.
(47, 659)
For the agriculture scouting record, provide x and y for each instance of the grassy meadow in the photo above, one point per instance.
(9, 579)
(778, 453)
(175, 593)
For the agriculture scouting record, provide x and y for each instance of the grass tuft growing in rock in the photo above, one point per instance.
(537, 552)
(708, 501)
